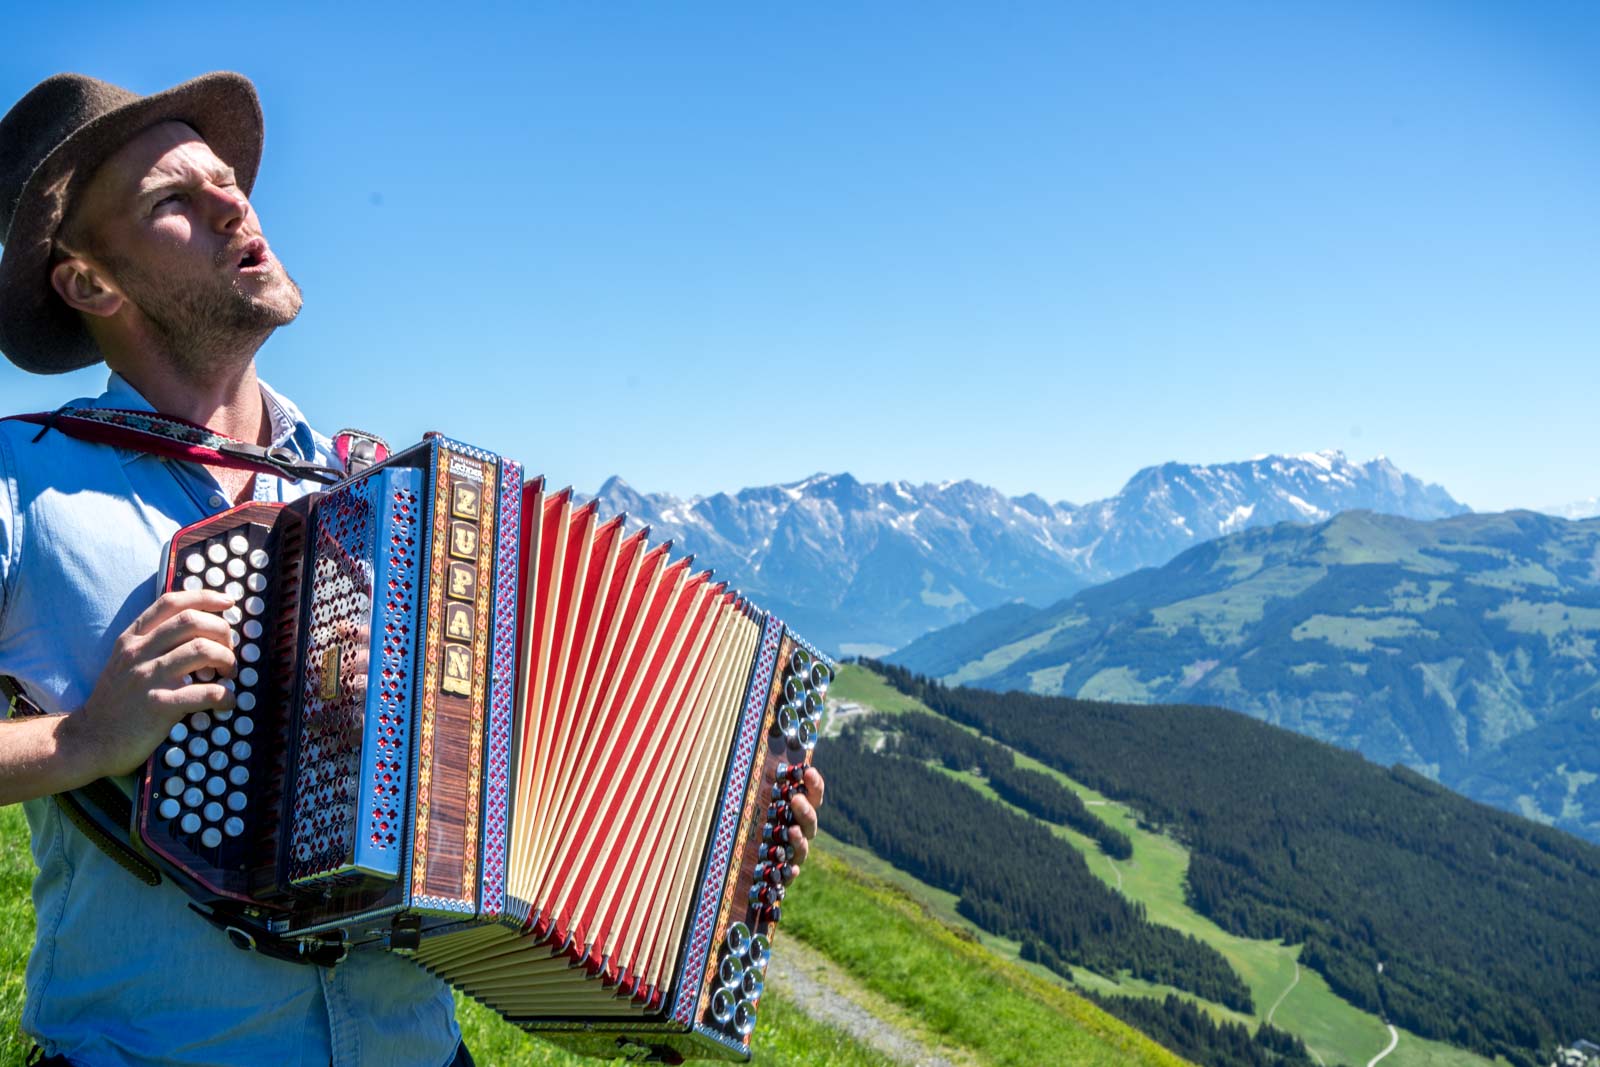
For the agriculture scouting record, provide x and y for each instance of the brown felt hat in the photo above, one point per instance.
(51, 143)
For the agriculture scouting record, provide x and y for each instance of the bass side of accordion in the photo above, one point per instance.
(481, 726)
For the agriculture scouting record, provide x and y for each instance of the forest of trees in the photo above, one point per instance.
(1485, 924)
(1012, 875)
(925, 737)
(1194, 1035)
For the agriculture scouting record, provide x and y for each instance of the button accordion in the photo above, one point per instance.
(478, 724)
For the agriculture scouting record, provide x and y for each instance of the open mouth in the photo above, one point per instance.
(255, 254)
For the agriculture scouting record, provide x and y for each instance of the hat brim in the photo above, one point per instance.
(38, 331)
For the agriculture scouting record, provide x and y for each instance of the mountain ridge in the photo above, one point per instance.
(861, 566)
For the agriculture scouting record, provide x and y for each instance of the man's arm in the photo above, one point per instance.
(145, 688)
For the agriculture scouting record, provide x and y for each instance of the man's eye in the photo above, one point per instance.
(170, 198)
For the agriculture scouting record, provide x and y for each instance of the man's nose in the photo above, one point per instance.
(227, 207)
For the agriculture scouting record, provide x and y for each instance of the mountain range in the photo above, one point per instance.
(866, 567)
(1464, 647)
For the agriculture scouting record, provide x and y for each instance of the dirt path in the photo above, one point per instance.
(1394, 1039)
(825, 992)
(1116, 871)
(1285, 993)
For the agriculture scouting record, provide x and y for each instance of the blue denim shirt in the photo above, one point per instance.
(122, 973)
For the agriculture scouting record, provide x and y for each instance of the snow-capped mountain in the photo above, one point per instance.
(1578, 509)
(867, 567)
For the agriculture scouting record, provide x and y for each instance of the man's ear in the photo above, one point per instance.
(82, 285)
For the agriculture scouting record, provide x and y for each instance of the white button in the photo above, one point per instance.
(169, 808)
(216, 553)
(190, 823)
(241, 750)
(216, 500)
(198, 746)
(194, 772)
(192, 797)
(252, 628)
(234, 826)
(250, 653)
(236, 568)
(256, 583)
(234, 590)
(173, 757)
(204, 674)
(212, 811)
(222, 714)
(248, 676)
(238, 545)
(247, 701)
(228, 684)
(243, 726)
(254, 605)
(200, 721)
(232, 615)
(216, 786)
(193, 582)
(178, 732)
(211, 838)
(194, 563)
(259, 559)
(236, 801)
(218, 760)
(233, 638)
(172, 786)
(220, 736)
(239, 775)
(215, 577)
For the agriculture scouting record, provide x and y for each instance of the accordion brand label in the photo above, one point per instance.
(450, 754)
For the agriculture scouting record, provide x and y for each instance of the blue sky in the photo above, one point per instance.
(1038, 245)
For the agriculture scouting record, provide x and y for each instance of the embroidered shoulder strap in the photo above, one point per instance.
(175, 438)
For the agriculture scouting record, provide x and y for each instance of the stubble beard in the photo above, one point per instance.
(213, 329)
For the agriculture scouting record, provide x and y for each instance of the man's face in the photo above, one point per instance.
(177, 236)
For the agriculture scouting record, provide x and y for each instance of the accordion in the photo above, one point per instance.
(479, 725)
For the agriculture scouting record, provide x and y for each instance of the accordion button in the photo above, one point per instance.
(211, 838)
(172, 786)
(722, 1003)
(233, 591)
(254, 605)
(216, 786)
(245, 701)
(200, 721)
(169, 808)
(236, 568)
(193, 582)
(252, 629)
(248, 676)
(238, 545)
(250, 652)
(259, 559)
(189, 823)
(233, 638)
(239, 775)
(244, 726)
(215, 577)
(234, 826)
(241, 750)
(218, 760)
(193, 797)
(216, 553)
(744, 1018)
(738, 939)
(758, 952)
(194, 563)
(178, 732)
(220, 736)
(212, 812)
(237, 801)
(198, 746)
(173, 757)
(799, 661)
(256, 583)
(750, 984)
(729, 971)
(195, 772)
(232, 615)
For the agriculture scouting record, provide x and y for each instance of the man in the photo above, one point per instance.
(128, 236)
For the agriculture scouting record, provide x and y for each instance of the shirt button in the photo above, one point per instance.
(216, 500)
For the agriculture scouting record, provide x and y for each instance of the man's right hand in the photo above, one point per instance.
(147, 685)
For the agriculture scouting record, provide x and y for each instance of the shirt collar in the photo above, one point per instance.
(288, 427)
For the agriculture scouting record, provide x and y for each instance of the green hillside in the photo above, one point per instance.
(1295, 998)
(1464, 648)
